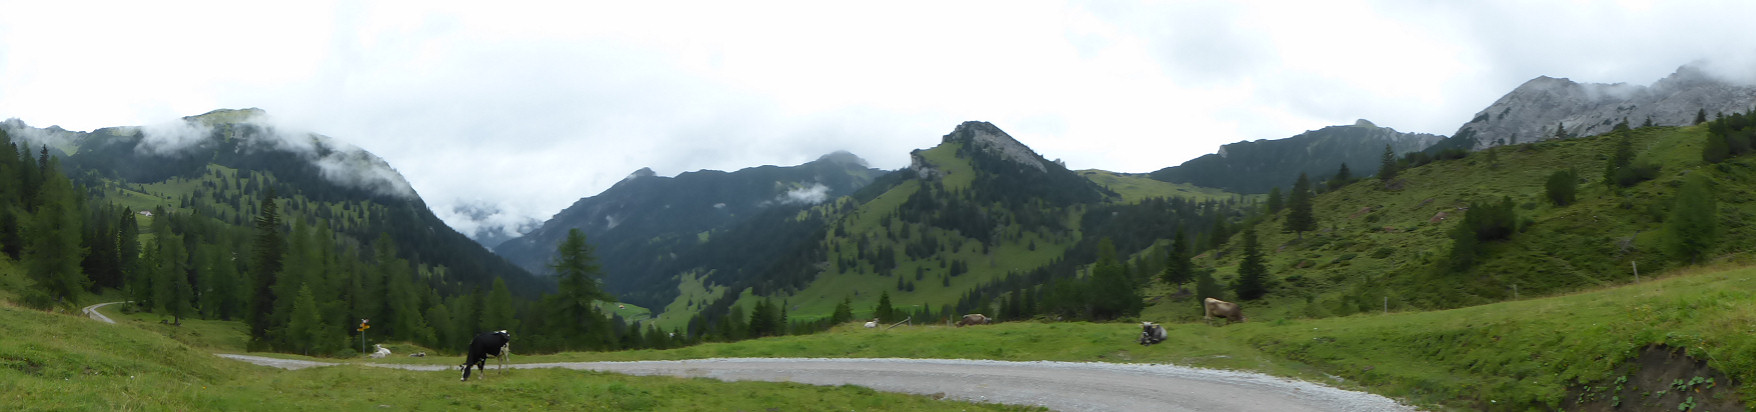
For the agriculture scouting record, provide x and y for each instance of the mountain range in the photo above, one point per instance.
(1261, 165)
(1541, 107)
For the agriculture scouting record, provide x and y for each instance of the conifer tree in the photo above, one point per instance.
(1252, 273)
(1701, 116)
(1178, 268)
(265, 262)
(306, 325)
(1299, 218)
(844, 311)
(1275, 201)
(498, 313)
(884, 311)
(1387, 165)
(577, 271)
(52, 250)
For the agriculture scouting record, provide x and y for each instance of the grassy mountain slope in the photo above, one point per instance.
(1376, 245)
(74, 363)
(1537, 353)
(975, 216)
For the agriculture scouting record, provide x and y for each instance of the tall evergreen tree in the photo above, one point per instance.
(884, 311)
(577, 272)
(1275, 200)
(1252, 273)
(52, 250)
(1300, 218)
(1388, 165)
(1113, 292)
(265, 266)
(1701, 116)
(498, 314)
(305, 327)
(1178, 268)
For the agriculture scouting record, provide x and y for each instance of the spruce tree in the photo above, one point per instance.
(884, 311)
(498, 314)
(1300, 218)
(1178, 268)
(265, 262)
(1701, 116)
(1275, 200)
(1387, 165)
(53, 249)
(577, 273)
(844, 311)
(1252, 273)
(305, 326)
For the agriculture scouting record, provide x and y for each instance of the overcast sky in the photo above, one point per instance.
(522, 108)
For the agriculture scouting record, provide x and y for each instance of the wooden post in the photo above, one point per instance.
(1387, 305)
(1636, 265)
(1515, 291)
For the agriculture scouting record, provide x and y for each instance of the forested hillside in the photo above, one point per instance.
(298, 236)
(979, 223)
(1257, 167)
(647, 228)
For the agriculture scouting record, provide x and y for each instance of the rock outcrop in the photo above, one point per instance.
(1534, 110)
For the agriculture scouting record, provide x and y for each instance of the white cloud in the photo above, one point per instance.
(169, 138)
(807, 195)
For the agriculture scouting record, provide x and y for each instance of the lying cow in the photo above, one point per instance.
(1228, 310)
(973, 319)
(494, 344)
(1151, 333)
(380, 353)
(872, 324)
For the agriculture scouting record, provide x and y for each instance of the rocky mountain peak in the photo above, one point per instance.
(1533, 111)
(1364, 123)
(989, 138)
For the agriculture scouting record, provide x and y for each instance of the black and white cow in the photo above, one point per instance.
(486, 345)
(1151, 333)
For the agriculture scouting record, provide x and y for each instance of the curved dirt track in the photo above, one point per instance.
(1063, 386)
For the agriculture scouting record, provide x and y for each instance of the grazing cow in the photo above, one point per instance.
(380, 353)
(484, 346)
(973, 319)
(872, 324)
(1151, 333)
(1228, 310)
(418, 355)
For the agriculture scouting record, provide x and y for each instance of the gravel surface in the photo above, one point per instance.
(92, 311)
(1063, 386)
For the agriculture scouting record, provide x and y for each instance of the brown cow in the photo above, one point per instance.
(1228, 310)
(973, 319)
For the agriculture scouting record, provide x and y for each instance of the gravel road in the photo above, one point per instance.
(92, 311)
(1062, 386)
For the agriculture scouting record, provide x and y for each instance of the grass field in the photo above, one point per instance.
(1526, 354)
(1517, 355)
(74, 363)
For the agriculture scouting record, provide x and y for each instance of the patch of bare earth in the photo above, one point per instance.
(1661, 378)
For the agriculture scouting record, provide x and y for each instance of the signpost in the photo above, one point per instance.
(363, 326)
